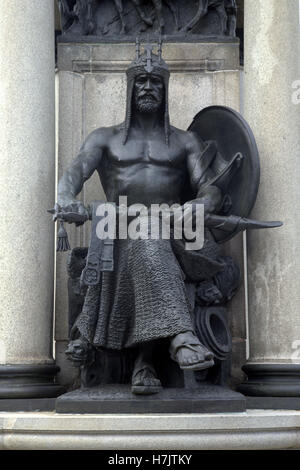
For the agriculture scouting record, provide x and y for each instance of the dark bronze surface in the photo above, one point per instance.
(103, 19)
(136, 320)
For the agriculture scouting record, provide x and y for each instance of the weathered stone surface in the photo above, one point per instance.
(271, 66)
(233, 431)
(26, 181)
(116, 57)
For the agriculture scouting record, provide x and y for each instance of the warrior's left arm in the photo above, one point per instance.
(210, 196)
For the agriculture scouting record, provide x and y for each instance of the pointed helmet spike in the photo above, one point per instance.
(149, 58)
(137, 48)
(159, 48)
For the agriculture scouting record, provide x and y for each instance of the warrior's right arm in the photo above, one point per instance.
(81, 169)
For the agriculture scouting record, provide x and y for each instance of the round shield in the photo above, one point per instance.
(233, 136)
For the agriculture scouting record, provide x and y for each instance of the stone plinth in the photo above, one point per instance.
(249, 430)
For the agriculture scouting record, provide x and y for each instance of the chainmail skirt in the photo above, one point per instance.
(143, 299)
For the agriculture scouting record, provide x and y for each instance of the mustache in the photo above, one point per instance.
(147, 95)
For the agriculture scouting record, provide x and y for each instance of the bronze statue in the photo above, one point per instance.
(66, 14)
(226, 10)
(137, 297)
(81, 13)
(98, 18)
(158, 4)
(147, 19)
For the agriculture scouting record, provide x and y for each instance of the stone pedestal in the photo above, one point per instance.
(206, 398)
(27, 187)
(92, 93)
(272, 59)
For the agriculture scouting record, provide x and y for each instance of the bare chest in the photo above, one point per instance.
(146, 150)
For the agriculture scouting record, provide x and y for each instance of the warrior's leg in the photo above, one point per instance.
(160, 18)
(144, 378)
(175, 12)
(162, 308)
(202, 11)
(231, 25)
(220, 9)
(146, 19)
(231, 10)
(90, 17)
(120, 9)
(66, 14)
(83, 12)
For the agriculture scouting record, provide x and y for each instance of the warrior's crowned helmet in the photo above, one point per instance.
(152, 64)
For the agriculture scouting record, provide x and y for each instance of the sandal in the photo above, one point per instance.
(190, 341)
(139, 378)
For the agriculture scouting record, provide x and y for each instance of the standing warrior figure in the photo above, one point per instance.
(157, 4)
(231, 10)
(173, 9)
(82, 13)
(84, 10)
(120, 9)
(67, 16)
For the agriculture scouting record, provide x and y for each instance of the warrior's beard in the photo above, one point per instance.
(147, 105)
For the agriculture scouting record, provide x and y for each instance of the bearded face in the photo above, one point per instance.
(148, 93)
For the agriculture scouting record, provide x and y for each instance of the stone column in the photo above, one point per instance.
(272, 56)
(27, 188)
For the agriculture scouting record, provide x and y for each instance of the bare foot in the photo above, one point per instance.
(189, 353)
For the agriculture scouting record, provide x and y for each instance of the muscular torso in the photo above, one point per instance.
(145, 169)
